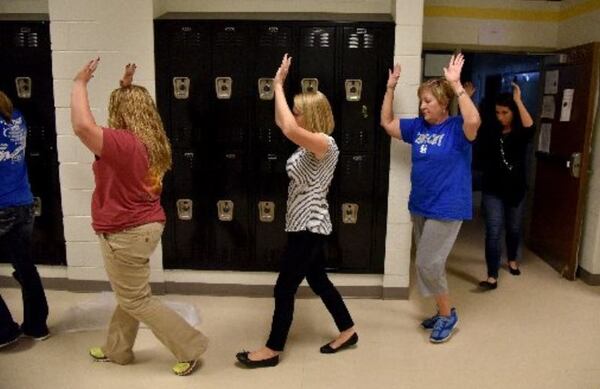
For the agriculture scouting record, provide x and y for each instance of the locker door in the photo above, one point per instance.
(26, 73)
(354, 208)
(359, 112)
(183, 65)
(317, 58)
(270, 149)
(227, 164)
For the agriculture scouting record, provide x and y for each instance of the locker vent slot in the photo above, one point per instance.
(361, 39)
(316, 38)
(274, 37)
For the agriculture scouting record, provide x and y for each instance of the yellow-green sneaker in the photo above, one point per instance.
(98, 355)
(184, 368)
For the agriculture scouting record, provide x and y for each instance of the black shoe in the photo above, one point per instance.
(327, 349)
(486, 285)
(38, 334)
(10, 339)
(514, 272)
(246, 361)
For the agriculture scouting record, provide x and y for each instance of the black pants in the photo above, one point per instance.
(304, 256)
(16, 227)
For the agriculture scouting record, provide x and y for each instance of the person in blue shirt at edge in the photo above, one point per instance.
(441, 196)
(16, 228)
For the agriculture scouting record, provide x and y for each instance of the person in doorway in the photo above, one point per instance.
(16, 228)
(310, 169)
(504, 182)
(132, 155)
(440, 197)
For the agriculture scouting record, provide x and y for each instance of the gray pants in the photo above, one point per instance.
(434, 240)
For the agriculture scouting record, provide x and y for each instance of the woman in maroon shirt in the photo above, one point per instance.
(132, 156)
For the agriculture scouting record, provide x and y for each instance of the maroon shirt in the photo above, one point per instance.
(123, 197)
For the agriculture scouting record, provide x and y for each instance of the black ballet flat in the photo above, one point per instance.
(514, 272)
(486, 285)
(327, 349)
(246, 361)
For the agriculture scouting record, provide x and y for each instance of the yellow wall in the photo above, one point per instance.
(510, 23)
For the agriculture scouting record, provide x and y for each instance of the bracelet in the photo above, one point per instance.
(462, 92)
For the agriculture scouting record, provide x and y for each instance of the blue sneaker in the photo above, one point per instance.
(444, 327)
(429, 323)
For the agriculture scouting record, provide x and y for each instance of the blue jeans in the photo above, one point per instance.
(501, 217)
(16, 227)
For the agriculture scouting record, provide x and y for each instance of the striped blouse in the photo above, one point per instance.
(310, 178)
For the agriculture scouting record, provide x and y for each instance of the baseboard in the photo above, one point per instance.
(587, 277)
(214, 289)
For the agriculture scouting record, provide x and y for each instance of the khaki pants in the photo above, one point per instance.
(126, 258)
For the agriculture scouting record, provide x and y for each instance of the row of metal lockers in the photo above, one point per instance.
(225, 197)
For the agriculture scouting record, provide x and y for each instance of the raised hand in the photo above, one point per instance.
(127, 78)
(516, 92)
(87, 73)
(283, 70)
(452, 72)
(469, 88)
(393, 76)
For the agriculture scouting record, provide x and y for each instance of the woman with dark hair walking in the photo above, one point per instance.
(504, 182)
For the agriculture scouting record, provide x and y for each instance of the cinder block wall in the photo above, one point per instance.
(119, 32)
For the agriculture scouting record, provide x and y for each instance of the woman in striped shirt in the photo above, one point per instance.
(308, 224)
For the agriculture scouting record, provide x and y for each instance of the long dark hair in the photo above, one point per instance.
(507, 100)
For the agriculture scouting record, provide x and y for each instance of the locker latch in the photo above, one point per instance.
(23, 85)
(266, 211)
(37, 206)
(185, 209)
(349, 213)
(225, 210)
(309, 85)
(223, 87)
(265, 88)
(353, 89)
(181, 87)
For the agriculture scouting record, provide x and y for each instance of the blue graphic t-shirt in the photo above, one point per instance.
(14, 185)
(441, 168)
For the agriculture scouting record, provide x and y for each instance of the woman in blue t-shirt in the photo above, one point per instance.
(16, 228)
(440, 197)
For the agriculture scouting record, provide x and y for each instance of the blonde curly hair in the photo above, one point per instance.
(316, 110)
(131, 108)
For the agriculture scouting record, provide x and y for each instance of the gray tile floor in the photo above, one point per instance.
(534, 331)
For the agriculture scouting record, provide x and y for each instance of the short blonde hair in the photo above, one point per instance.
(6, 107)
(132, 108)
(316, 109)
(440, 88)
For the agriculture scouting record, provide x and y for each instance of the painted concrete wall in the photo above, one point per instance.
(118, 32)
(581, 23)
(510, 23)
(24, 6)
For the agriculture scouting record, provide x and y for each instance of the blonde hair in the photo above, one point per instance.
(131, 108)
(6, 107)
(316, 110)
(440, 88)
